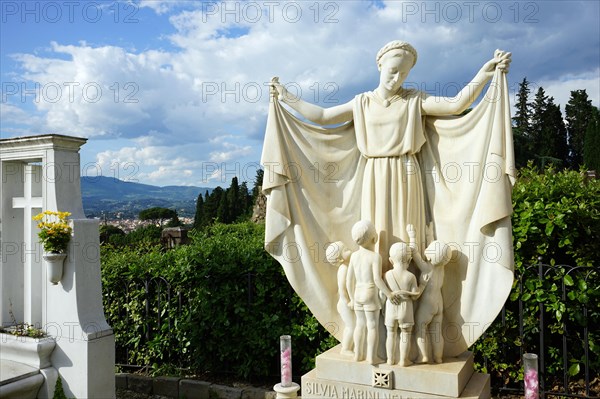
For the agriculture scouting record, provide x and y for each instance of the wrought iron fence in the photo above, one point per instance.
(555, 326)
(162, 305)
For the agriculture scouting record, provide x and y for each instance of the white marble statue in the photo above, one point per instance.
(401, 315)
(364, 283)
(398, 157)
(430, 312)
(339, 255)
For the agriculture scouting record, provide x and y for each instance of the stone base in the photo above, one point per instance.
(18, 380)
(313, 387)
(337, 375)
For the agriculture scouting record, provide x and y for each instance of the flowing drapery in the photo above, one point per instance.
(314, 185)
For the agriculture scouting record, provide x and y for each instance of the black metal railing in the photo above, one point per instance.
(162, 304)
(539, 338)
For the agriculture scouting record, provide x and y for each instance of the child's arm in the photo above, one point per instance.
(425, 277)
(376, 267)
(342, 277)
(350, 283)
(416, 254)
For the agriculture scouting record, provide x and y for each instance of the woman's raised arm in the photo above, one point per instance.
(314, 113)
(441, 106)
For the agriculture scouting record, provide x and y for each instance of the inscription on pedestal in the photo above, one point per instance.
(318, 388)
(324, 390)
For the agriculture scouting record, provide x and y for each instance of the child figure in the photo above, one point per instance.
(363, 283)
(403, 284)
(430, 311)
(338, 255)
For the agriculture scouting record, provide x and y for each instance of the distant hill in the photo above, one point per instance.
(113, 197)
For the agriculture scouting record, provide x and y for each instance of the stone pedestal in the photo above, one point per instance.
(287, 392)
(338, 376)
(43, 173)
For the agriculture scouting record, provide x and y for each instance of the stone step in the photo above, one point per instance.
(447, 379)
(18, 380)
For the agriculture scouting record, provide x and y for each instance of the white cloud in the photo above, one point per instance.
(561, 88)
(163, 7)
(209, 93)
(231, 151)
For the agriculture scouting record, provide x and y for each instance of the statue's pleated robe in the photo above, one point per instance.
(394, 166)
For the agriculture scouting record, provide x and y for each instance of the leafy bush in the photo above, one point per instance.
(235, 302)
(144, 235)
(556, 220)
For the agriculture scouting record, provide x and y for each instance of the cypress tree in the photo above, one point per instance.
(245, 200)
(211, 205)
(258, 182)
(199, 216)
(521, 124)
(579, 112)
(233, 201)
(556, 134)
(223, 214)
(591, 153)
(538, 124)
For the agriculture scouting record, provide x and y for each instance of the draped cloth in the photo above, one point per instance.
(452, 173)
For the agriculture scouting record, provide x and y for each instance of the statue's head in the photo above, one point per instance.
(396, 48)
(394, 61)
(337, 253)
(363, 232)
(438, 253)
(400, 252)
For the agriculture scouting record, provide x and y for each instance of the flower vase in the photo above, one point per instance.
(531, 376)
(54, 266)
(285, 342)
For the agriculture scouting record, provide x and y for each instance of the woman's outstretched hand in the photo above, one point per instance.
(500, 61)
(277, 89)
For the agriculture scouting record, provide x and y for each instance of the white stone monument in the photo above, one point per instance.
(42, 173)
(398, 157)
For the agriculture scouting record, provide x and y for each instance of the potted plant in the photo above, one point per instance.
(54, 235)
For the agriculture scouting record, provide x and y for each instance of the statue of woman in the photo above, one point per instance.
(389, 134)
(397, 157)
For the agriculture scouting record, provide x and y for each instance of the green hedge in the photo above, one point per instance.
(556, 216)
(556, 221)
(236, 302)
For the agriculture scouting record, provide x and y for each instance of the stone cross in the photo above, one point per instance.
(40, 173)
(31, 203)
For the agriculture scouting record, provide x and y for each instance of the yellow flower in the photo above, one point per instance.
(55, 232)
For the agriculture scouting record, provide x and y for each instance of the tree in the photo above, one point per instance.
(579, 112)
(245, 200)
(225, 205)
(521, 124)
(548, 132)
(158, 215)
(174, 222)
(556, 134)
(211, 204)
(108, 230)
(199, 216)
(591, 149)
(223, 215)
(233, 201)
(538, 120)
(258, 182)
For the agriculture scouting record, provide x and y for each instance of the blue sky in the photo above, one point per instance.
(174, 92)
